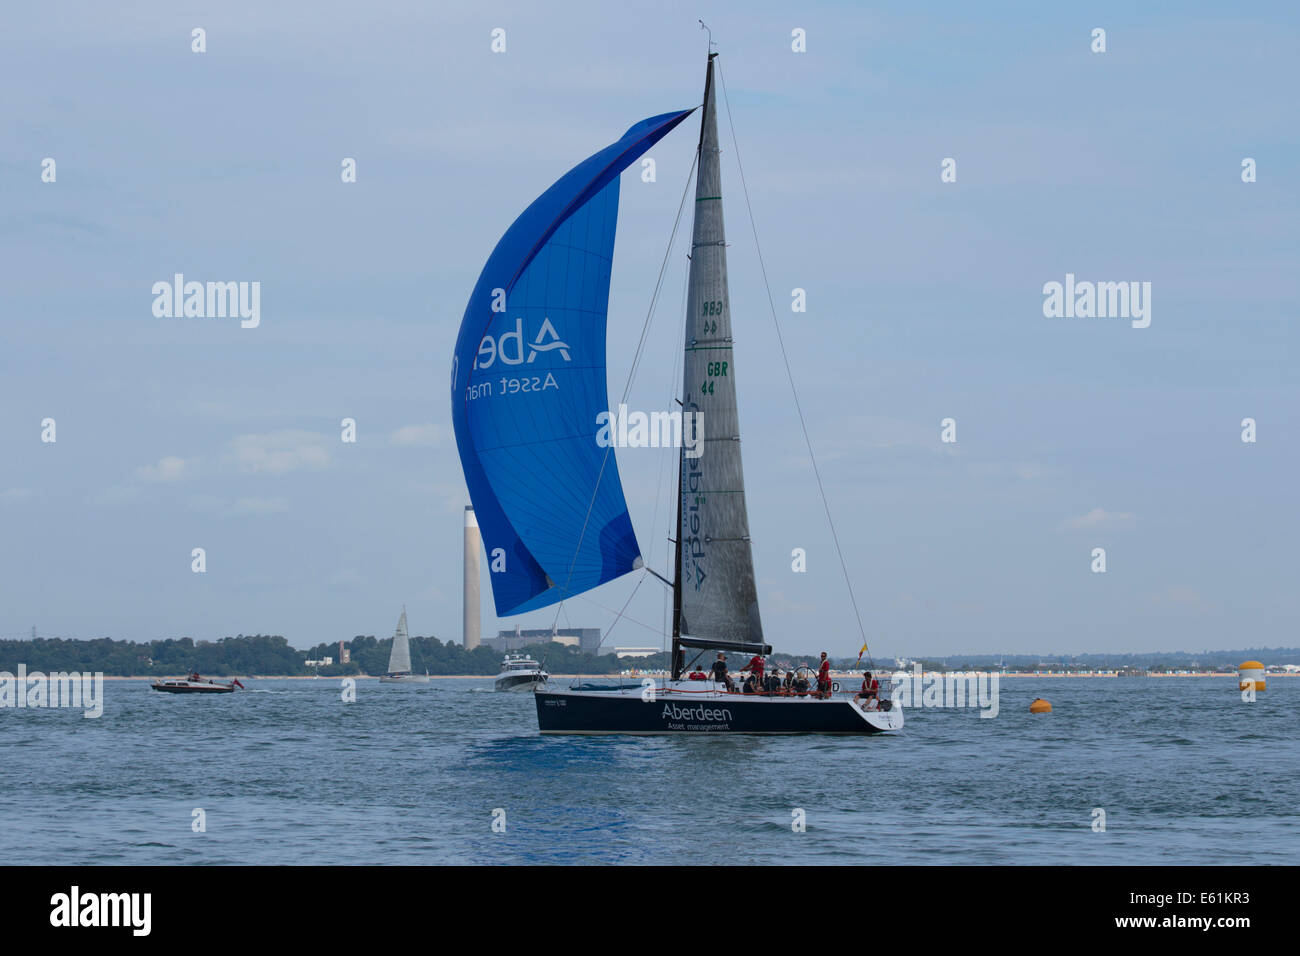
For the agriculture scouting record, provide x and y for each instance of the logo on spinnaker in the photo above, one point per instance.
(512, 348)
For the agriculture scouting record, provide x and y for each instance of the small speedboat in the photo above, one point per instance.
(194, 684)
(520, 672)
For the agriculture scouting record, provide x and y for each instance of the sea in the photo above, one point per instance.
(1123, 771)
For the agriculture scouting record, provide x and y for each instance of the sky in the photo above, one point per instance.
(924, 302)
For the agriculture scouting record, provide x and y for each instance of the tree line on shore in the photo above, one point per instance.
(272, 655)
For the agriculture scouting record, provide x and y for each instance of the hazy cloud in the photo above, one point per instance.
(166, 469)
(259, 506)
(347, 578)
(1099, 519)
(278, 453)
(1180, 597)
(448, 498)
(416, 435)
(1023, 470)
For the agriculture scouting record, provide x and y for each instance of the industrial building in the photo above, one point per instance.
(584, 638)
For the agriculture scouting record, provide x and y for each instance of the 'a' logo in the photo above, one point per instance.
(540, 344)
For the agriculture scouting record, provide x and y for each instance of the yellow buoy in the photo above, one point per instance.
(1250, 674)
(1040, 706)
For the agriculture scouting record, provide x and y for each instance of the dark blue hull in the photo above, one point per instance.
(626, 712)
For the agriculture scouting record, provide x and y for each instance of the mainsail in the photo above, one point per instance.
(717, 600)
(528, 380)
(399, 661)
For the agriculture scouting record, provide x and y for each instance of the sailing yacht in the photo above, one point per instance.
(399, 661)
(527, 384)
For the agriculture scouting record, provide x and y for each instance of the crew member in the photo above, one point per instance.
(772, 683)
(870, 688)
(720, 674)
(824, 677)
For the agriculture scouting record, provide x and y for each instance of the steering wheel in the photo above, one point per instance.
(808, 675)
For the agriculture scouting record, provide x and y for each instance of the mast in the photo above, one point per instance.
(715, 596)
(676, 659)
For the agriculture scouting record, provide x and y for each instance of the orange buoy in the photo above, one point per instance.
(1040, 706)
(1250, 676)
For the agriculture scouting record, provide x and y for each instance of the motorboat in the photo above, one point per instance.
(519, 672)
(194, 684)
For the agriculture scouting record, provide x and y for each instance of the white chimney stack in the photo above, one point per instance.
(473, 628)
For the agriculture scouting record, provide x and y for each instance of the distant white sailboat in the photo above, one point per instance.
(399, 662)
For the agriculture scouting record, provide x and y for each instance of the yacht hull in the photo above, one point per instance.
(405, 679)
(520, 682)
(673, 711)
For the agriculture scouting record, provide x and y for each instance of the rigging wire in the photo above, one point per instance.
(627, 387)
(789, 373)
(649, 627)
(618, 617)
(679, 361)
(663, 266)
(666, 455)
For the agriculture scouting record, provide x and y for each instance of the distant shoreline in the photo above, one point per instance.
(638, 676)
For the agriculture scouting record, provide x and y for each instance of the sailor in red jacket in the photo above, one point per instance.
(870, 688)
(824, 677)
(755, 667)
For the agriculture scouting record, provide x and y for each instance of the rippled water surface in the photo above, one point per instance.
(288, 773)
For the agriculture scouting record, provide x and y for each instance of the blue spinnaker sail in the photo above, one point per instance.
(528, 380)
